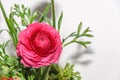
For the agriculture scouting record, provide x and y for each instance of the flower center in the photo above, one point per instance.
(41, 41)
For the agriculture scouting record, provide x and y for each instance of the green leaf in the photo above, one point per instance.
(47, 20)
(79, 28)
(35, 14)
(5, 44)
(0, 45)
(1, 31)
(84, 43)
(45, 73)
(6, 57)
(87, 42)
(86, 30)
(71, 35)
(87, 35)
(17, 26)
(10, 25)
(12, 31)
(24, 22)
(67, 73)
(76, 36)
(60, 21)
(45, 12)
(0, 53)
(3, 11)
(23, 8)
(29, 13)
(16, 6)
(13, 14)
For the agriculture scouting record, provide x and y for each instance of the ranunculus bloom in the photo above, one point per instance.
(11, 78)
(39, 45)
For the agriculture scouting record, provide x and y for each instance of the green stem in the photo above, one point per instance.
(17, 26)
(68, 43)
(45, 74)
(41, 70)
(53, 14)
(4, 14)
(67, 37)
(12, 32)
(72, 41)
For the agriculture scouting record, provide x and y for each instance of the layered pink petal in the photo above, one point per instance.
(39, 45)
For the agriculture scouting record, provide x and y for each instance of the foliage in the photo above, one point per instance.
(77, 35)
(11, 66)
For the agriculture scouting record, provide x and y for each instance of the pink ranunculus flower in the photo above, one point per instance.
(10, 78)
(39, 45)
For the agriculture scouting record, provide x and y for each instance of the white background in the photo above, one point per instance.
(102, 61)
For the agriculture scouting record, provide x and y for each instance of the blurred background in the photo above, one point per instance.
(101, 60)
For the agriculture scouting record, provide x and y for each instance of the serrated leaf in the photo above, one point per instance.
(79, 28)
(60, 21)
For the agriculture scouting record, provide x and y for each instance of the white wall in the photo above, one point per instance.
(103, 17)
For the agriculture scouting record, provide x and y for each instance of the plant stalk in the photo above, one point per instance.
(53, 14)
